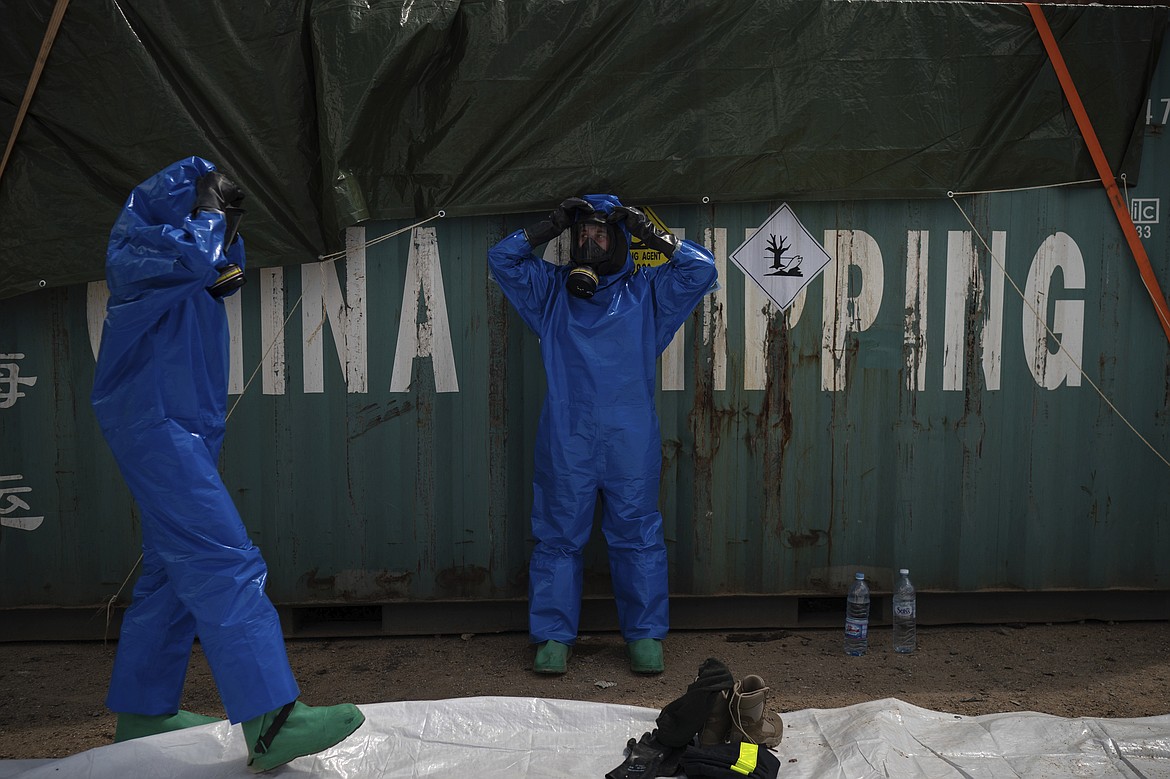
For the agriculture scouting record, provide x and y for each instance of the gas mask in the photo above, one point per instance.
(597, 249)
(232, 216)
(216, 192)
(231, 276)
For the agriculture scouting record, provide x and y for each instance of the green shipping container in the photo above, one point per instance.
(976, 388)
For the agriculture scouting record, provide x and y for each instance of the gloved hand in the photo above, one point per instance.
(216, 192)
(682, 719)
(646, 758)
(559, 220)
(643, 229)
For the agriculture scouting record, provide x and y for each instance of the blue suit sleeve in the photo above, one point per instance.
(678, 286)
(151, 267)
(525, 278)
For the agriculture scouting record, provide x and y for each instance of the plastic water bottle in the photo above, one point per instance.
(857, 617)
(905, 614)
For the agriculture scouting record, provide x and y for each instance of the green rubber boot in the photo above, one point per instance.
(296, 730)
(131, 726)
(552, 657)
(646, 656)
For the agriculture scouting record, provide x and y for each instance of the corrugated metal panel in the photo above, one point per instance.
(383, 447)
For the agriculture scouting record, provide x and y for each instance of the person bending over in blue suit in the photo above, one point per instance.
(160, 396)
(602, 323)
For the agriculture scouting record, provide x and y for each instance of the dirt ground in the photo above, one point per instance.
(51, 694)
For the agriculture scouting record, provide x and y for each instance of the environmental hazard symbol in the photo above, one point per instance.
(782, 257)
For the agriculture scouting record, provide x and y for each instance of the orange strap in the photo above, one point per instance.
(46, 45)
(1103, 170)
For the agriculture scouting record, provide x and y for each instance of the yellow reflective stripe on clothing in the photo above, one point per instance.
(748, 753)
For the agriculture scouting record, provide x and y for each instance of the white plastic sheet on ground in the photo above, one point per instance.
(526, 738)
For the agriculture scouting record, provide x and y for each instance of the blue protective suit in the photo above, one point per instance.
(160, 396)
(598, 428)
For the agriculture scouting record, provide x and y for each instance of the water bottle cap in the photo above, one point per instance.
(904, 571)
(859, 575)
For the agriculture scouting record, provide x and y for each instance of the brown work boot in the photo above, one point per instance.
(749, 721)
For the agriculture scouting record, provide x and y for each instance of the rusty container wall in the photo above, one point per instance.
(905, 412)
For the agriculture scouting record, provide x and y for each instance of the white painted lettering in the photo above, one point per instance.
(323, 301)
(758, 309)
(715, 306)
(11, 381)
(851, 296)
(993, 328)
(9, 504)
(917, 254)
(1053, 368)
(673, 374)
(963, 279)
(844, 312)
(235, 345)
(430, 337)
(272, 318)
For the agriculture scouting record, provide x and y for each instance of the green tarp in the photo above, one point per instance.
(332, 112)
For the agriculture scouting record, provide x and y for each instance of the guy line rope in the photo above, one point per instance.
(1041, 317)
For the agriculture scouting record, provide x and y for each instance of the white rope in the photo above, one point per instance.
(1060, 345)
(114, 598)
(379, 239)
(1025, 189)
(264, 356)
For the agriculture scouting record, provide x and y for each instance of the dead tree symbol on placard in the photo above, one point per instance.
(781, 265)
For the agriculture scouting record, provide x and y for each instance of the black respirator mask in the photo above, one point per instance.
(216, 192)
(597, 249)
(231, 276)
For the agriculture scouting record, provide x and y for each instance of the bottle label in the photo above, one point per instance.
(904, 610)
(856, 629)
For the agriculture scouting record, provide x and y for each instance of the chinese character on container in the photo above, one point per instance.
(11, 381)
(9, 504)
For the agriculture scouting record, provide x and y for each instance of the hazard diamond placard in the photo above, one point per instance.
(782, 257)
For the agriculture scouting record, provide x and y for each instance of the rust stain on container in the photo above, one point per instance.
(325, 583)
(808, 539)
(394, 584)
(774, 422)
(463, 580)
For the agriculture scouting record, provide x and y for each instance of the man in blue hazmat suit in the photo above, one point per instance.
(160, 396)
(602, 323)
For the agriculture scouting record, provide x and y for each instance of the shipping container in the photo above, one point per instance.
(976, 387)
